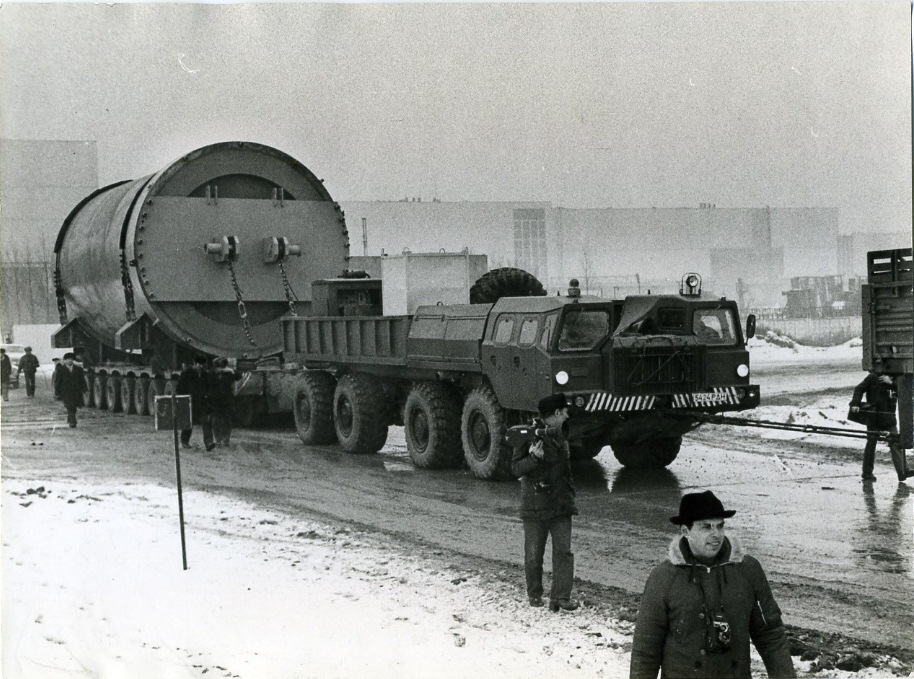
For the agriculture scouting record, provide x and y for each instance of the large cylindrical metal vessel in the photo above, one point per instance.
(213, 249)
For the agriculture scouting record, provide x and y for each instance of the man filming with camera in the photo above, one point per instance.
(547, 503)
(701, 606)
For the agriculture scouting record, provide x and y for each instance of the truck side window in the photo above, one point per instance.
(583, 329)
(504, 328)
(548, 329)
(528, 330)
(714, 326)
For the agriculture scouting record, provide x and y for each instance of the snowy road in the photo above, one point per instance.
(838, 553)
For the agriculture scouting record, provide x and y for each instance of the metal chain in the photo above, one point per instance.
(128, 288)
(58, 290)
(242, 311)
(290, 296)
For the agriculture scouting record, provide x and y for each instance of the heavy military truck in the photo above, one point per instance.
(638, 371)
(888, 327)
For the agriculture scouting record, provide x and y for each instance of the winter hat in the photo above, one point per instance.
(551, 403)
(699, 506)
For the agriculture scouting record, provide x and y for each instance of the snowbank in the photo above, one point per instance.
(93, 586)
(775, 348)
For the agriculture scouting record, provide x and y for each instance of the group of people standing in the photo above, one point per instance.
(27, 367)
(212, 395)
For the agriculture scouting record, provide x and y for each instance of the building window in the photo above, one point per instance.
(530, 240)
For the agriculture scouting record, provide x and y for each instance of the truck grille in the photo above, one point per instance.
(658, 370)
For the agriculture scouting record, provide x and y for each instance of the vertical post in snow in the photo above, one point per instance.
(174, 421)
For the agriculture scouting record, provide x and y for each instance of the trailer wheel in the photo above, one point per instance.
(359, 414)
(156, 388)
(432, 425)
(586, 448)
(313, 408)
(126, 396)
(483, 429)
(505, 282)
(98, 392)
(113, 393)
(652, 453)
(140, 398)
(89, 380)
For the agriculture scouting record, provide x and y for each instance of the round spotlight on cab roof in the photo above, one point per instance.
(742, 370)
(561, 377)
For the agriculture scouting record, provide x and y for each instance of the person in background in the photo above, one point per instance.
(881, 392)
(703, 605)
(57, 367)
(28, 366)
(6, 372)
(222, 399)
(70, 385)
(547, 505)
(194, 381)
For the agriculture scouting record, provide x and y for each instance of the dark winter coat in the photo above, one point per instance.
(28, 364)
(70, 384)
(552, 475)
(6, 368)
(671, 634)
(196, 385)
(883, 398)
(221, 386)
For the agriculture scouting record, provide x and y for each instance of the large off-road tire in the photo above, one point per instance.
(586, 448)
(99, 393)
(652, 453)
(312, 407)
(431, 420)
(505, 282)
(359, 414)
(126, 388)
(482, 427)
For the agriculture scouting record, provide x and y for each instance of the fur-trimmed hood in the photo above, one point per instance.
(732, 552)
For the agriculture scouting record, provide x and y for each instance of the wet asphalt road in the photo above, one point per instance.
(838, 552)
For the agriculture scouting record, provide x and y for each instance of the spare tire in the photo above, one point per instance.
(505, 282)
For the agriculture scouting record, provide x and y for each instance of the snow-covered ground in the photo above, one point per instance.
(94, 586)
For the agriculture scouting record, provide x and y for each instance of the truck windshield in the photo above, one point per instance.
(583, 329)
(714, 326)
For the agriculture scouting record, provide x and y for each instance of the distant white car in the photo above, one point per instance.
(15, 352)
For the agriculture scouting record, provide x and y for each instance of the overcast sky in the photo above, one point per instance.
(617, 104)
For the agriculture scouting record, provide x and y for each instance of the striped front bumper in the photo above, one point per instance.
(603, 401)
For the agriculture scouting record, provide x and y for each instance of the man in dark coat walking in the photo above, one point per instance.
(222, 399)
(547, 505)
(881, 393)
(703, 605)
(28, 366)
(6, 371)
(70, 385)
(194, 381)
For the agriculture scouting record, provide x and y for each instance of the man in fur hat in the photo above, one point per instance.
(547, 505)
(702, 606)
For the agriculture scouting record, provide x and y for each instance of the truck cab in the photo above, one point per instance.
(634, 369)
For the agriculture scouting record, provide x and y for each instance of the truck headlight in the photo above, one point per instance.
(561, 377)
(742, 370)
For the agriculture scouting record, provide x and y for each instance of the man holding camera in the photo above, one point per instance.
(547, 504)
(702, 606)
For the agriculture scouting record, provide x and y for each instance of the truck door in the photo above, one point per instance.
(530, 381)
(498, 353)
